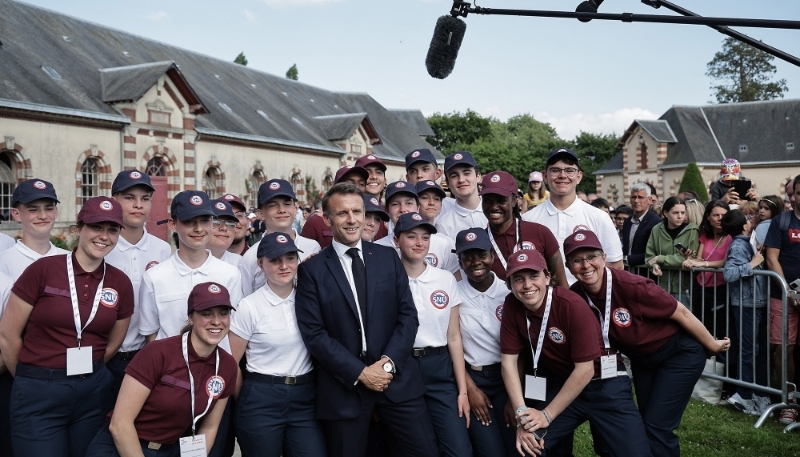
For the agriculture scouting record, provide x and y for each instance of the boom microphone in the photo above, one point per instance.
(442, 53)
(589, 6)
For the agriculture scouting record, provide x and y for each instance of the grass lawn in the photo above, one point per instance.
(719, 431)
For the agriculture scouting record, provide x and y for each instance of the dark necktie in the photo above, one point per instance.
(360, 281)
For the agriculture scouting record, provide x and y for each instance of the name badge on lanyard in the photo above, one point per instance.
(536, 387)
(79, 359)
(195, 445)
(608, 362)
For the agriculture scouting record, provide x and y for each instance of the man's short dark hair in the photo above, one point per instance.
(625, 209)
(600, 202)
(733, 222)
(795, 183)
(566, 159)
(342, 188)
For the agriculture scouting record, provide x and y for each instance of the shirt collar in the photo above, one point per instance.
(493, 290)
(426, 276)
(274, 300)
(341, 250)
(78, 270)
(194, 357)
(31, 254)
(124, 245)
(464, 212)
(184, 269)
(570, 211)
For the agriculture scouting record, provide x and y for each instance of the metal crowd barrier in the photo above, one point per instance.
(718, 318)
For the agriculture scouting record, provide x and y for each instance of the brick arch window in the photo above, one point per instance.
(156, 167)
(257, 177)
(90, 185)
(327, 180)
(92, 176)
(211, 182)
(8, 182)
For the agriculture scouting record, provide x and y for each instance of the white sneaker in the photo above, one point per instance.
(788, 416)
(745, 406)
(762, 404)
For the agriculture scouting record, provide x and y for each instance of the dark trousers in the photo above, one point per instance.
(441, 396)
(6, 382)
(116, 366)
(608, 406)
(57, 417)
(491, 440)
(103, 446)
(275, 417)
(664, 381)
(408, 422)
(752, 346)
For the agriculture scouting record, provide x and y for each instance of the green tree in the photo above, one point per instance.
(594, 150)
(241, 59)
(745, 73)
(292, 73)
(458, 129)
(693, 180)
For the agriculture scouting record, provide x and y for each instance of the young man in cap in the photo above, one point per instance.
(563, 213)
(462, 175)
(222, 233)
(239, 245)
(376, 182)
(34, 206)
(421, 166)
(276, 203)
(401, 198)
(135, 252)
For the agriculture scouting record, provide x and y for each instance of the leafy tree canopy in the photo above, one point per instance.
(292, 73)
(745, 73)
(241, 59)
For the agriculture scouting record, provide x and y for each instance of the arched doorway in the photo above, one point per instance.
(156, 169)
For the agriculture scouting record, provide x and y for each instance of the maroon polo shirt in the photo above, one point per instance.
(383, 232)
(315, 228)
(51, 328)
(533, 236)
(573, 334)
(640, 312)
(159, 366)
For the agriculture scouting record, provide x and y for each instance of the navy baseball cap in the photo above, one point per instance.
(189, 204)
(419, 155)
(222, 208)
(129, 178)
(274, 188)
(474, 238)
(372, 205)
(398, 187)
(500, 183)
(234, 199)
(459, 158)
(558, 153)
(207, 295)
(101, 209)
(32, 190)
(423, 186)
(344, 171)
(276, 244)
(370, 160)
(409, 221)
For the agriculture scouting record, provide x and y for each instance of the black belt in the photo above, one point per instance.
(288, 380)
(126, 355)
(424, 352)
(155, 446)
(31, 371)
(485, 368)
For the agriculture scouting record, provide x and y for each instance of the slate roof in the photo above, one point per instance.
(241, 102)
(612, 166)
(342, 126)
(414, 119)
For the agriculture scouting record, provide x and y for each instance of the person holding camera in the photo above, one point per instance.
(732, 186)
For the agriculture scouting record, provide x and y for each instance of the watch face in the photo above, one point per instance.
(387, 367)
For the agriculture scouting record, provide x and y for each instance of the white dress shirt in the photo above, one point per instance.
(347, 265)
(232, 258)
(252, 276)
(15, 260)
(459, 218)
(6, 242)
(435, 292)
(481, 315)
(134, 260)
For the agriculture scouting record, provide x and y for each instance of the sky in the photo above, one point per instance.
(596, 77)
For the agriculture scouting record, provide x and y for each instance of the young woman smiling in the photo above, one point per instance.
(508, 233)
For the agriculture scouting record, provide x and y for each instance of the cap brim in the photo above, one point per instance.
(381, 213)
(419, 159)
(524, 267)
(555, 157)
(192, 213)
(278, 252)
(498, 191)
(97, 219)
(441, 193)
(582, 246)
(476, 247)
(117, 190)
(33, 198)
(211, 304)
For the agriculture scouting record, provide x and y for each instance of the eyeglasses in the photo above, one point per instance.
(240, 214)
(570, 171)
(228, 223)
(578, 261)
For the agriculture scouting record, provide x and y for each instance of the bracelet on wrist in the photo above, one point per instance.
(546, 416)
(520, 409)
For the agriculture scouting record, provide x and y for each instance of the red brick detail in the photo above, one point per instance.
(130, 139)
(129, 113)
(188, 124)
(188, 160)
(188, 147)
(188, 173)
(129, 154)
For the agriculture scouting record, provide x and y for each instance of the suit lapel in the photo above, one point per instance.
(335, 267)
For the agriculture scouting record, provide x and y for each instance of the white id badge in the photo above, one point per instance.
(535, 388)
(608, 366)
(193, 446)
(79, 360)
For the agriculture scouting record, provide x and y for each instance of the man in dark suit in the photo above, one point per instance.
(636, 229)
(357, 318)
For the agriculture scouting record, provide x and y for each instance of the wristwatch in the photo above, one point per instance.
(388, 366)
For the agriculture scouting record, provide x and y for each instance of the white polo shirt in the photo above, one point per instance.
(481, 315)
(269, 324)
(15, 260)
(232, 258)
(134, 260)
(447, 204)
(578, 216)
(459, 218)
(6, 242)
(440, 252)
(435, 292)
(165, 290)
(6, 282)
(252, 276)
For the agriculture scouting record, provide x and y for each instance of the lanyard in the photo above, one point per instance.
(542, 330)
(73, 295)
(191, 380)
(497, 248)
(607, 319)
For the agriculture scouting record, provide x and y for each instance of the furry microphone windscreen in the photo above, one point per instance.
(447, 37)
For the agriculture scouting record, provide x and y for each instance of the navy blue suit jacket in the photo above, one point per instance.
(328, 321)
(639, 247)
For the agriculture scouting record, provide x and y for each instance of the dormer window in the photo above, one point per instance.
(158, 113)
(743, 148)
(790, 146)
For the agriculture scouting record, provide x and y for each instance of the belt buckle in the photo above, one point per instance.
(153, 446)
(419, 352)
(290, 380)
(475, 368)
